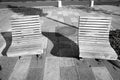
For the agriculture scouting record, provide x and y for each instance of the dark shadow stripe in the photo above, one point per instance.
(8, 38)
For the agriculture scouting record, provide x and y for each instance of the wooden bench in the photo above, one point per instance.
(94, 38)
(26, 36)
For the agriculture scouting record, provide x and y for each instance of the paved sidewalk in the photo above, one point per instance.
(63, 65)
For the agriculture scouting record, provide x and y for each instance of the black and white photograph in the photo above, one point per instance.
(59, 39)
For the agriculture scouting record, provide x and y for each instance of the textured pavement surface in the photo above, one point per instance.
(59, 61)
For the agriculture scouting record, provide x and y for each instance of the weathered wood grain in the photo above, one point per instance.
(94, 38)
(26, 36)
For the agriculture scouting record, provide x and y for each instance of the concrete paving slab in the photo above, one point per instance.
(35, 74)
(49, 23)
(84, 71)
(49, 48)
(75, 24)
(70, 12)
(7, 65)
(37, 62)
(101, 73)
(61, 24)
(76, 14)
(54, 13)
(21, 68)
(68, 73)
(54, 17)
(110, 8)
(113, 70)
(52, 70)
(74, 20)
(49, 13)
(61, 19)
(66, 30)
(65, 13)
(66, 62)
(67, 20)
(94, 63)
(59, 13)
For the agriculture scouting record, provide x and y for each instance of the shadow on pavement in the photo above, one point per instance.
(63, 47)
(0, 67)
(8, 39)
(27, 10)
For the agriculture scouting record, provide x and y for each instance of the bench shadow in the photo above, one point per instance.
(63, 46)
(26, 10)
(8, 39)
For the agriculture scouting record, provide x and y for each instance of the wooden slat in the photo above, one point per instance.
(30, 33)
(94, 18)
(95, 30)
(96, 37)
(26, 36)
(98, 28)
(103, 51)
(39, 41)
(24, 17)
(25, 26)
(14, 36)
(24, 21)
(94, 27)
(100, 33)
(93, 38)
(26, 32)
(93, 41)
(20, 28)
(94, 22)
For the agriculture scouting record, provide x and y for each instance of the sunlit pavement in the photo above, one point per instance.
(57, 66)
